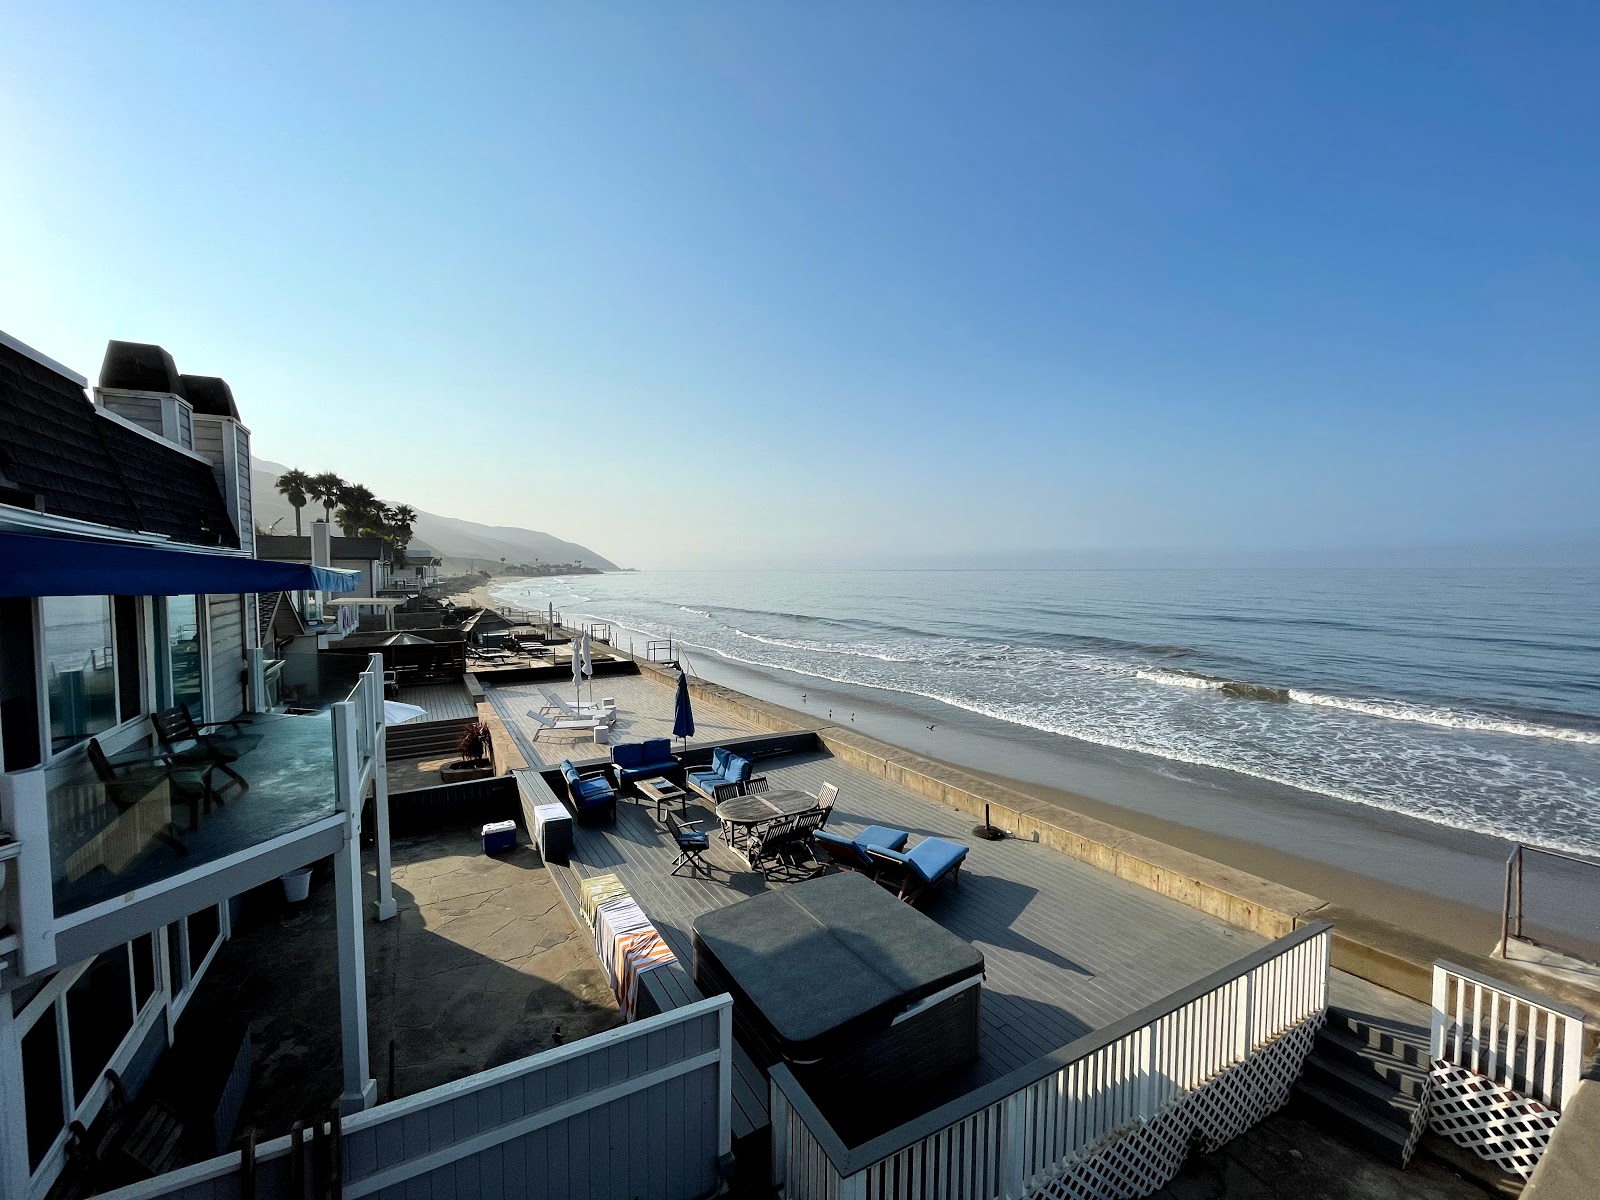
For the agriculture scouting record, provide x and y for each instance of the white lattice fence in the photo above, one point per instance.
(1143, 1155)
(1504, 1064)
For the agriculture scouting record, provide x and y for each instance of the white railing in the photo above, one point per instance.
(1123, 1097)
(1514, 1039)
(639, 1111)
(358, 735)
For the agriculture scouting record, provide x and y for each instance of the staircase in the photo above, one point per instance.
(425, 739)
(1364, 1078)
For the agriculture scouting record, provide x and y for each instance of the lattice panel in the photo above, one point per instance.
(1143, 1156)
(1492, 1121)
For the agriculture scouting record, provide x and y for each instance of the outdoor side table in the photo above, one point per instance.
(552, 831)
(663, 792)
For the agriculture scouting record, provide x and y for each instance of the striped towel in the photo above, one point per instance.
(642, 951)
(611, 920)
(595, 891)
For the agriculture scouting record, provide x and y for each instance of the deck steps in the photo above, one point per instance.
(1364, 1078)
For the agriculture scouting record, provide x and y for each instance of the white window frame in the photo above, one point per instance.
(53, 997)
(114, 737)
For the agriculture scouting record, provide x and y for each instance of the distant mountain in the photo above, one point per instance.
(460, 543)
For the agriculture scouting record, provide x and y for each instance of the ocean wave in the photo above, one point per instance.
(1238, 689)
(1446, 718)
(699, 612)
(820, 648)
(1042, 720)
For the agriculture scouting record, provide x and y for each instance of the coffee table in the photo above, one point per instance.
(663, 792)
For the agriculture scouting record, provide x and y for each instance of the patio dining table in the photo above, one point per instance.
(741, 814)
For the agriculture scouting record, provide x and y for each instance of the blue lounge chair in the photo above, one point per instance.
(920, 870)
(851, 852)
(633, 761)
(590, 791)
(727, 776)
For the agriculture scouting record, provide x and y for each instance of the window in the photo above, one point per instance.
(144, 970)
(19, 705)
(99, 1015)
(205, 927)
(125, 610)
(44, 1100)
(80, 667)
(182, 652)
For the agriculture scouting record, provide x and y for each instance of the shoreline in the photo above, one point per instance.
(1344, 853)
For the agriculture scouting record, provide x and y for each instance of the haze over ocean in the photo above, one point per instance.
(1470, 698)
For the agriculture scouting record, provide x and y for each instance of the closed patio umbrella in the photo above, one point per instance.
(682, 711)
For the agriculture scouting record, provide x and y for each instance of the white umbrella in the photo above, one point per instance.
(577, 668)
(397, 713)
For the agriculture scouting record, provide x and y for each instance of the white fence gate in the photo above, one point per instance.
(1504, 1063)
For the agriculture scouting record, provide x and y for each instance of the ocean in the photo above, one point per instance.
(1468, 698)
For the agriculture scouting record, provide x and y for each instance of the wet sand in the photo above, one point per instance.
(1445, 883)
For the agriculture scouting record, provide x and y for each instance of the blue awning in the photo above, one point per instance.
(52, 566)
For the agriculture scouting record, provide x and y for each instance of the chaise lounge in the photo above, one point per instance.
(591, 792)
(727, 776)
(851, 852)
(920, 870)
(633, 761)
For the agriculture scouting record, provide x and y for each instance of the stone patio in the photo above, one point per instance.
(481, 966)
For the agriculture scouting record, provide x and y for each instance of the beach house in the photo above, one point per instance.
(134, 804)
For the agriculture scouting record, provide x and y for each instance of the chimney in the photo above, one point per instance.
(224, 441)
(140, 382)
(321, 544)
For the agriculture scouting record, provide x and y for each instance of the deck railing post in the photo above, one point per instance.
(1013, 1141)
(1521, 866)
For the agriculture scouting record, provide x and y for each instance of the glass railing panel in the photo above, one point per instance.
(309, 683)
(148, 815)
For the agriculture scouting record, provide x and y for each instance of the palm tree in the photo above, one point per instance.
(294, 487)
(327, 489)
(404, 518)
(359, 510)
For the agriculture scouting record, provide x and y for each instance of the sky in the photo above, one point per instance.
(749, 284)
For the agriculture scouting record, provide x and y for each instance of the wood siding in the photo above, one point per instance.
(225, 646)
(144, 411)
(244, 512)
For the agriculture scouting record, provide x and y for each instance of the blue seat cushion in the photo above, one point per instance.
(592, 789)
(706, 779)
(881, 836)
(628, 754)
(568, 771)
(843, 847)
(694, 841)
(656, 750)
(932, 858)
(737, 769)
(719, 761)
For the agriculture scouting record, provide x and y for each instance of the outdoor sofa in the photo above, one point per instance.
(726, 777)
(633, 761)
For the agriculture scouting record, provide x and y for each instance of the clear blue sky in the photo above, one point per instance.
(723, 283)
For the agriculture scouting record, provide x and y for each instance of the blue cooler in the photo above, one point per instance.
(499, 836)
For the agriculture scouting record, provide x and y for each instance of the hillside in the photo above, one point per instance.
(453, 539)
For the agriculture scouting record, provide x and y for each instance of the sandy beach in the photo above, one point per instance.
(1445, 883)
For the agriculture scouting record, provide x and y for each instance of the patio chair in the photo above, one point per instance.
(826, 795)
(692, 843)
(915, 874)
(769, 841)
(184, 743)
(184, 785)
(590, 790)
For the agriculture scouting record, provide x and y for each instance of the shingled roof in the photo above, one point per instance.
(140, 367)
(59, 456)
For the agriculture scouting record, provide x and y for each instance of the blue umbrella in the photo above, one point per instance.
(682, 712)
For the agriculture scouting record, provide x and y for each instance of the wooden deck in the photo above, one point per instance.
(443, 701)
(644, 710)
(1067, 948)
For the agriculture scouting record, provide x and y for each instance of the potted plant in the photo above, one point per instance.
(474, 749)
